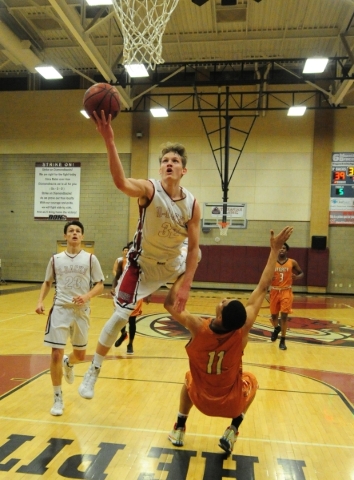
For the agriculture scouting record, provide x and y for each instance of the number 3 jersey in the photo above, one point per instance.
(283, 275)
(73, 275)
(162, 226)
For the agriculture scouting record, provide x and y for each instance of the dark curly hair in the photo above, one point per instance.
(233, 315)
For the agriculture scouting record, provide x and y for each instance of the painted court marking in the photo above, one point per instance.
(147, 430)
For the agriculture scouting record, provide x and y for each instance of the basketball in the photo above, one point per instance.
(102, 96)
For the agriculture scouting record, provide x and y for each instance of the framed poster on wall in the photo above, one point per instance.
(57, 190)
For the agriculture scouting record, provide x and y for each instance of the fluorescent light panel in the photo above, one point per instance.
(136, 70)
(159, 112)
(49, 73)
(296, 111)
(93, 3)
(315, 65)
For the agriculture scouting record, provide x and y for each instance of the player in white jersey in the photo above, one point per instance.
(78, 277)
(169, 216)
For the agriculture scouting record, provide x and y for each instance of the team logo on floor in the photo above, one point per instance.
(311, 330)
(162, 325)
(300, 329)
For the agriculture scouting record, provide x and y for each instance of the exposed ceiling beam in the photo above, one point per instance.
(242, 102)
(346, 84)
(18, 51)
(71, 21)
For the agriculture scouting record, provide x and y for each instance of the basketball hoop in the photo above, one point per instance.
(143, 23)
(223, 227)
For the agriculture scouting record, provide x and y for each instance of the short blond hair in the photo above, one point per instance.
(177, 148)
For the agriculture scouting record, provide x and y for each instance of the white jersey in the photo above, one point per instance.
(162, 226)
(73, 275)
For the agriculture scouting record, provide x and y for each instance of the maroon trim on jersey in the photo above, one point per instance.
(193, 208)
(55, 281)
(183, 195)
(129, 284)
(48, 323)
(53, 265)
(137, 240)
(152, 196)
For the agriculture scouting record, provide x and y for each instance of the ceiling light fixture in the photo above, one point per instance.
(159, 112)
(48, 72)
(94, 3)
(136, 70)
(296, 111)
(315, 65)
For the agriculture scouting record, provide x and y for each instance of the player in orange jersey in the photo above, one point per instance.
(281, 294)
(215, 383)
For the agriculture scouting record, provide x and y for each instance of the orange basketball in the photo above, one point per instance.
(102, 96)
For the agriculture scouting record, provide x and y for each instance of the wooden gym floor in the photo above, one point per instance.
(300, 426)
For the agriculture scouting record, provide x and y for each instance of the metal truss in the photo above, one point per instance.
(238, 72)
(238, 101)
(257, 85)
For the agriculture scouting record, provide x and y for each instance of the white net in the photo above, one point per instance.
(223, 226)
(143, 23)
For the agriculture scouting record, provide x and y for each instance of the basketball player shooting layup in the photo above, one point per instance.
(169, 215)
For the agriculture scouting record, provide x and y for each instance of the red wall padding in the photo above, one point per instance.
(227, 264)
(317, 270)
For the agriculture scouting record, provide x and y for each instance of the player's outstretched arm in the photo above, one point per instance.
(192, 259)
(185, 318)
(256, 299)
(130, 186)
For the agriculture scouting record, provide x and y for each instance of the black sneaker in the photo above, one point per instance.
(275, 333)
(130, 350)
(282, 345)
(121, 339)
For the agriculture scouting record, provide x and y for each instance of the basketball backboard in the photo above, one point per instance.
(215, 213)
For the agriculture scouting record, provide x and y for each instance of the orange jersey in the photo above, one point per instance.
(283, 275)
(215, 382)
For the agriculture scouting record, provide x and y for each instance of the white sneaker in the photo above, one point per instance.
(176, 436)
(86, 389)
(228, 440)
(58, 407)
(68, 372)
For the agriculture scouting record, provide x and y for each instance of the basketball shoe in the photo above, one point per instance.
(86, 389)
(121, 339)
(58, 406)
(176, 436)
(227, 441)
(68, 371)
(275, 333)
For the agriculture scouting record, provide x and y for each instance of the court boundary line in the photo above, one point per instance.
(148, 430)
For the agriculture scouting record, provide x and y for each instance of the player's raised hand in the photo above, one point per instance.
(278, 241)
